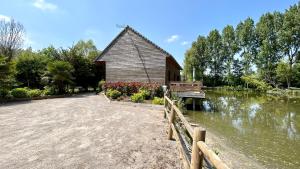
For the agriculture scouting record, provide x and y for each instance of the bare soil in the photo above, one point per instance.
(85, 131)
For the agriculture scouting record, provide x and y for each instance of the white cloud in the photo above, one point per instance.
(185, 43)
(43, 5)
(173, 38)
(5, 18)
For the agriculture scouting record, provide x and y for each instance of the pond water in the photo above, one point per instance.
(263, 127)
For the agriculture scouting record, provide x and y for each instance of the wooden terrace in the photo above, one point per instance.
(188, 89)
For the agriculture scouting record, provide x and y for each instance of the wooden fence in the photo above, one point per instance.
(185, 86)
(194, 155)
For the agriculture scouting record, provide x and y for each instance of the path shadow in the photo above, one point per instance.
(26, 101)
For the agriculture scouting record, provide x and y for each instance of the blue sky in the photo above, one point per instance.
(172, 24)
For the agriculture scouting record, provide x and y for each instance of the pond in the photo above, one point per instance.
(263, 127)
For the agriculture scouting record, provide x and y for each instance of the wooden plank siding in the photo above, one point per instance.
(172, 71)
(131, 57)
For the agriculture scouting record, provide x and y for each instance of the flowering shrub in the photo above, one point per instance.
(129, 88)
(157, 100)
(114, 94)
(146, 93)
(137, 98)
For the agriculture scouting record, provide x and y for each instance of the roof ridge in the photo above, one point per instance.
(142, 36)
(148, 40)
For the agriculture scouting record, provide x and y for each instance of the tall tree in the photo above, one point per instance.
(230, 48)
(51, 53)
(289, 37)
(269, 54)
(196, 58)
(201, 55)
(237, 72)
(214, 52)
(81, 56)
(87, 49)
(189, 63)
(283, 73)
(247, 42)
(60, 75)
(11, 38)
(7, 71)
(296, 75)
(30, 67)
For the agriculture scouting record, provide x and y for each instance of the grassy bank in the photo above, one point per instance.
(291, 92)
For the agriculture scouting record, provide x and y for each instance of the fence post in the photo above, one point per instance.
(172, 118)
(197, 156)
(165, 113)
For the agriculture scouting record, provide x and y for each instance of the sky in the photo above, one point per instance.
(171, 24)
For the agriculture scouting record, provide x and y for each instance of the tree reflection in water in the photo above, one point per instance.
(262, 126)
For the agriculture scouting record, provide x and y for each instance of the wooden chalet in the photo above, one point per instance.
(132, 57)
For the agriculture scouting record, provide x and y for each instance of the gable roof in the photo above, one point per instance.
(140, 35)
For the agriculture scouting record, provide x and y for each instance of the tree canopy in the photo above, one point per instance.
(267, 50)
(58, 68)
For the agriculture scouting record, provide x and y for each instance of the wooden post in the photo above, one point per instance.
(165, 113)
(194, 104)
(172, 118)
(197, 158)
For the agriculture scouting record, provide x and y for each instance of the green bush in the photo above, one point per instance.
(114, 94)
(20, 93)
(146, 93)
(4, 93)
(157, 100)
(137, 97)
(159, 92)
(256, 83)
(35, 93)
(49, 90)
(101, 85)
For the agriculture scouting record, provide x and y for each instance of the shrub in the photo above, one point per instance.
(20, 93)
(256, 83)
(35, 93)
(60, 73)
(114, 94)
(129, 88)
(101, 85)
(137, 98)
(146, 93)
(157, 100)
(158, 91)
(4, 93)
(49, 90)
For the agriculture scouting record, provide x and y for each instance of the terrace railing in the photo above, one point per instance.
(192, 156)
(185, 86)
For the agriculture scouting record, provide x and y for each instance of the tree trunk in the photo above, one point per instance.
(288, 77)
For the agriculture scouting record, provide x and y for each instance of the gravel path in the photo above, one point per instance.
(84, 132)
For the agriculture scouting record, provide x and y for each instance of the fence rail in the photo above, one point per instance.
(200, 150)
(185, 86)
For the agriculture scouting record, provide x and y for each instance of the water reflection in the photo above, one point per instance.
(262, 126)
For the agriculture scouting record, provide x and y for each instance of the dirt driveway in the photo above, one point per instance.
(84, 132)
